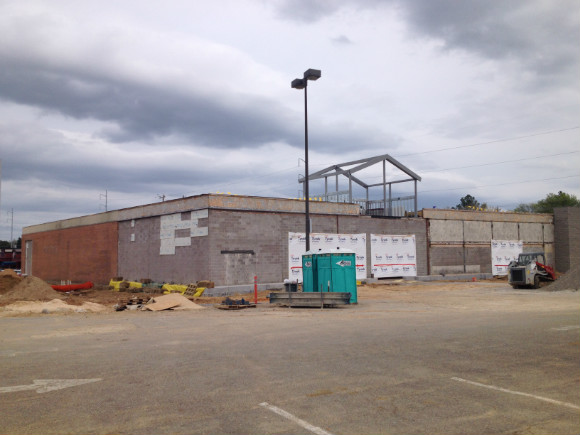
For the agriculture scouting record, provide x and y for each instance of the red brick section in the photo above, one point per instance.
(79, 254)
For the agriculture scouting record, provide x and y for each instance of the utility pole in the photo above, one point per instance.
(106, 196)
(12, 229)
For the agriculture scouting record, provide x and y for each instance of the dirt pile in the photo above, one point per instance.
(568, 281)
(30, 289)
(8, 281)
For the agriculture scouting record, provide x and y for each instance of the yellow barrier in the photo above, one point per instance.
(116, 285)
(173, 288)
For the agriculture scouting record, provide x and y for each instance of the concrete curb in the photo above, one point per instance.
(451, 277)
(249, 288)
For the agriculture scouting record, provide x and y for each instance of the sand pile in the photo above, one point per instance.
(50, 307)
(569, 281)
(30, 289)
(171, 301)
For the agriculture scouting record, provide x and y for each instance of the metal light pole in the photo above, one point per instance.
(310, 74)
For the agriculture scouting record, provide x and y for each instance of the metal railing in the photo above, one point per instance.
(398, 207)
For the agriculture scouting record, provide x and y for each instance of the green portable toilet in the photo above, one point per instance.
(343, 264)
(324, 271)
(309, 272)
(336, 272)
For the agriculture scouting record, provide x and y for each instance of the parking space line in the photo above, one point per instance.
(304, 424)
(519, 393)
(566, 328)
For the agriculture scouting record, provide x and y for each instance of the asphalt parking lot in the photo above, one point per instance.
(444, 358)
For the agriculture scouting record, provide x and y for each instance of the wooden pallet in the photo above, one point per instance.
(310, 299)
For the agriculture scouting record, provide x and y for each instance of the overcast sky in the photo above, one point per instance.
(141, 100)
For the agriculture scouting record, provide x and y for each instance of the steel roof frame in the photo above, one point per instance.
(341, 169)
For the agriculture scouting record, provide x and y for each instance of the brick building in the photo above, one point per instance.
(229, 239)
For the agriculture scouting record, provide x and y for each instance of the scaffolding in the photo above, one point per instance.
(388, 205)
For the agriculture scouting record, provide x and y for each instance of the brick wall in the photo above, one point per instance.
(77, 254)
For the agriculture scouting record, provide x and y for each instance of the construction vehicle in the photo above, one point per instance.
(530, 270)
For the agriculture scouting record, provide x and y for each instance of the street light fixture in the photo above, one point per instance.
(310, 74)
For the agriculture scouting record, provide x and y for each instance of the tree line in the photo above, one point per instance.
(546, 205)
(5, 244)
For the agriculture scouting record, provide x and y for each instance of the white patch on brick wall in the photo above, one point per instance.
(172, 222)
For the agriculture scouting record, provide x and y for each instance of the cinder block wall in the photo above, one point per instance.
(139, 253)
(460, 243)
(244, 244)
(78, 254)
(567, 237)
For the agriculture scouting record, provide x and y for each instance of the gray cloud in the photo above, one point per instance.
(540, 34)
(146, 112)
(142, 112)
(528, 31)
(342, 40)
(306, 11)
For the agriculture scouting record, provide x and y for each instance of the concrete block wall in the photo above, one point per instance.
(477, 232)
(77, 254)
(462, 244)
(248, 243)
(261, 239)
(505, 231)
(444, 231)
(567, 238)
(139, 253)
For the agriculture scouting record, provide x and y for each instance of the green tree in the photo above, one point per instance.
(525, 208)
(547, 205)
(469, 202)
(551, 201)
(4, 244)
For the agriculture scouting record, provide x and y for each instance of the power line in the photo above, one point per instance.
(489, 142)
(499, 163)
(500, 184)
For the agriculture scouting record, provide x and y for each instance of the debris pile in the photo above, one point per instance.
(569, 281)
(194, 290)
(233, 304)
(171, 302)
